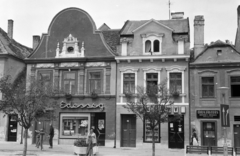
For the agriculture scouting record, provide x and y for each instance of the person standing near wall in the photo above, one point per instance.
(51, 135)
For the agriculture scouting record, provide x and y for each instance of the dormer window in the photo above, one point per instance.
(152, 44)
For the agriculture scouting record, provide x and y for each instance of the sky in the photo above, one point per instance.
(33, 17)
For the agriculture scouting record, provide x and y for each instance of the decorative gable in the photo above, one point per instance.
(70, 48)
(72, 33)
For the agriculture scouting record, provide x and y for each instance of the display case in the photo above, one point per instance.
(148, 132)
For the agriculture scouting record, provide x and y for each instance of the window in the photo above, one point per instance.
(156, 46)
(152, 46)
(69, 82)
(95, 79)
(175, 82)
(148, 46)
(74, 125)
(152, 82)
(207, 86)
(235, 86)
(148, 132)
(45, 77)
(128, 82)
(152, 43)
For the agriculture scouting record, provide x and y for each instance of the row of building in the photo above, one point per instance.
(96, 66)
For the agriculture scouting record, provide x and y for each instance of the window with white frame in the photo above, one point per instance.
(152, 44)
(73, 125)
(128, 82)
(175, 82)
(152, 82)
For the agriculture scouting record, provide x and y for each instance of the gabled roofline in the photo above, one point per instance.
(95, 31)
(125, 24)
(152, 20)
(211, 46)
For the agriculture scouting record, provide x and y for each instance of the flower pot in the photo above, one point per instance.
(80, 150)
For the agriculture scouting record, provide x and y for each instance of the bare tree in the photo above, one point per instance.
(28, 103)
(151, 104)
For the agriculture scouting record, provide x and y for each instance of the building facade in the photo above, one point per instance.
(214, 80)
(74, 56)
(12, 56)
(151, 51)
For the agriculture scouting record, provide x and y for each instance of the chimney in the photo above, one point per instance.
(198, 35)
(10, 29)
(177, 15)
(36, 40)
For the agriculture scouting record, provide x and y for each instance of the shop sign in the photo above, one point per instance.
(208, 114)
(82, 106)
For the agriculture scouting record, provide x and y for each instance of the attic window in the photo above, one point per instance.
(219, 52)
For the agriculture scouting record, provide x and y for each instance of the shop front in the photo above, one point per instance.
(76, 117)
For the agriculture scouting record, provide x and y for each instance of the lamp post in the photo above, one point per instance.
(223, 117)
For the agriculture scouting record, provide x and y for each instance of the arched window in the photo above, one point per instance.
(148, 46)
(156, 46)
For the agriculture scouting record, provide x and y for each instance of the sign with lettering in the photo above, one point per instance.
(208, 114)
(73, 105)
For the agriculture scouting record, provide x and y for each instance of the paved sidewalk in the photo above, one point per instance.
(15, 149)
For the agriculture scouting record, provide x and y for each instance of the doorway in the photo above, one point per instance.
(209, 135)
(100, 127)
(176, 132)
(128, 131)
(12, 128)
(236, 132)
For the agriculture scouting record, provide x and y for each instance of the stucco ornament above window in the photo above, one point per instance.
(70, 48)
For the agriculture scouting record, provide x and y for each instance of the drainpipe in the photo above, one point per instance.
(115, 107)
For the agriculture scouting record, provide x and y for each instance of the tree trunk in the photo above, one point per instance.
(153, 142)
(25, 142)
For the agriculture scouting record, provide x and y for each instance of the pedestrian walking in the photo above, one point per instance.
(92, 141)
(51, 135)
(194, 138)
(41, 133)
(37, 138)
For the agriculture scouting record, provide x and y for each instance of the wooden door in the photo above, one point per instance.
(236, 133)
(176, 132)
(12, 128)
(209, 133)
(128, 137)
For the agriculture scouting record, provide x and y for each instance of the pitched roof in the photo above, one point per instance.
(11, 47)
(178, 26)
(103, 27)
(112, 37)
(208, 55)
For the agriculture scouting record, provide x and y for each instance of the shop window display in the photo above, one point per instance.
(75, 126)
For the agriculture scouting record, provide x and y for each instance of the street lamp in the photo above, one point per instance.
(225, 150)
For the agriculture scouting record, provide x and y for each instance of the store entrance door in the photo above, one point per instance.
(176, 132)
(209, 133)
(236, 131)
(128, 137)
(99, 124)
(45, 125)
(12, 128)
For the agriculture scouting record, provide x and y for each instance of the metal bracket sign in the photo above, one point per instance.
(225, 119)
